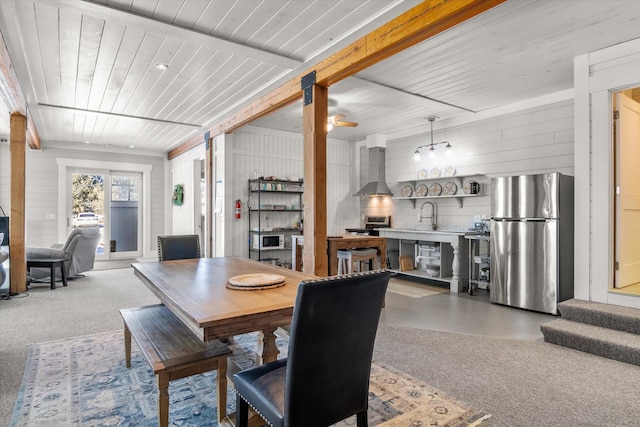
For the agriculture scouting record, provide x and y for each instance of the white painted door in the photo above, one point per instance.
(627, 192)
(125, 217)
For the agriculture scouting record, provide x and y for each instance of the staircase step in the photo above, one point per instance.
(604, 342)
(605, 315)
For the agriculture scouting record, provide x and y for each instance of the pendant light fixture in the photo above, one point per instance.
(432, 149)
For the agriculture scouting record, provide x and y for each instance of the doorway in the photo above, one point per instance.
(125, 214)
(626, 130)
(87, 203)
(130, 181)
(109, 200)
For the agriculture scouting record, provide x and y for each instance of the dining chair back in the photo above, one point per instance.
(325, 378)
(184, 246)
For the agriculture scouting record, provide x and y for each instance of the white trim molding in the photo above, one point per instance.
(597, 75)
(65, 163)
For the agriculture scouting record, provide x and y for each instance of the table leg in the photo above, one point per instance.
(63, 273)
(53, 275)
(332, 259)
(266, 347)
(471, 267)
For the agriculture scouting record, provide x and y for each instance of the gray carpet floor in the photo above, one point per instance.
(519, 382)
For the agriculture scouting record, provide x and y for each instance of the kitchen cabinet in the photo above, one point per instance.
(274, 215)
(459, 194)
(449, 251)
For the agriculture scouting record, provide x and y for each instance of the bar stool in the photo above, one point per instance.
(346, 258)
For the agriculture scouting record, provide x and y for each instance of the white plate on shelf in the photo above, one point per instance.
(421, 190)
(435, 189)
(450, 188)
(435, 173)
(406, 191)
(449, 171)
(423, 174)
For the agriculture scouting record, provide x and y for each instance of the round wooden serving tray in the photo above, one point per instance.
(255, 281)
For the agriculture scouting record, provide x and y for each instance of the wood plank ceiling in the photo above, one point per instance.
(90, 68)
(89, 72)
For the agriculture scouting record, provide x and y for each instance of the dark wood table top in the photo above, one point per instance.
(194, 290)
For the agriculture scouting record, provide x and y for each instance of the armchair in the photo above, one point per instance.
(79, 250)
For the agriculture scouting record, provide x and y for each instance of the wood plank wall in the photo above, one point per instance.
(532, 141)
(182, 172)
(281, 154)
(42, 190)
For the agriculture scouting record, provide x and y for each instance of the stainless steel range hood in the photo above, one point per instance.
(376, 185)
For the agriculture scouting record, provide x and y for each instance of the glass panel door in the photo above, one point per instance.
(125, 214)
(88, 204)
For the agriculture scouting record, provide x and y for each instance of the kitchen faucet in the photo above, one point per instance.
(434, 214)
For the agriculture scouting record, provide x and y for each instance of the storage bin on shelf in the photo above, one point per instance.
(428, 258)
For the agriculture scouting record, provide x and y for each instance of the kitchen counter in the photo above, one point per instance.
(334, 243)
(422, 230)
(453, 238)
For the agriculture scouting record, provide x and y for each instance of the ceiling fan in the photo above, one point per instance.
(337, 121)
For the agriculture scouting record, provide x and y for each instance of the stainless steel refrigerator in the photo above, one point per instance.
(532, 241)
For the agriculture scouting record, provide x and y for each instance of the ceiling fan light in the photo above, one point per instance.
(329, 126)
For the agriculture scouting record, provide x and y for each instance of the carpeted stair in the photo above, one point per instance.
(605, 330)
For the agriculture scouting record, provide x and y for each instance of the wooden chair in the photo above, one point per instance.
(325, 378)
(184, 246)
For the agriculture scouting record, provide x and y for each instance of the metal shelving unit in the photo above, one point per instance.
(274, 208)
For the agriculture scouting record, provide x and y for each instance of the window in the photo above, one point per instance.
(125, 188)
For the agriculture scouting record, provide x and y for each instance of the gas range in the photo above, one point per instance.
(370, 223)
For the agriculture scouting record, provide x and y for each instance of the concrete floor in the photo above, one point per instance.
(463, 313)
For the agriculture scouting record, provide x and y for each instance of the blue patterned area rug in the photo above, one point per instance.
(82, 381)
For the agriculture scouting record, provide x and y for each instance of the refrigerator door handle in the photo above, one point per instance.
(523, 219)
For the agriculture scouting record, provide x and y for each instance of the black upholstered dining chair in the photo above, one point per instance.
(325, 378)
(184, 246)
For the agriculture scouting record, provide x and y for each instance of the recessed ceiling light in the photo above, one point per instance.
(162, 66)
(87, 142)
(132, 146)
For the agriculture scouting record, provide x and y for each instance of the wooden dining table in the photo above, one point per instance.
(195, 291)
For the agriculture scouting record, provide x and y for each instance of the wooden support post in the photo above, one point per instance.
(17, 249)
(315, 182)
(209, 182)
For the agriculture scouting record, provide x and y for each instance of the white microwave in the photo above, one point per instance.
(268, 241)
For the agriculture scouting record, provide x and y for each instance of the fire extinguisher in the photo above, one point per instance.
(238, 208)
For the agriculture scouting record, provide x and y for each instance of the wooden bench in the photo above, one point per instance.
(174, 352)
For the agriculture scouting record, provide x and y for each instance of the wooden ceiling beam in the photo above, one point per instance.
(12, 96)
(427, 19)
